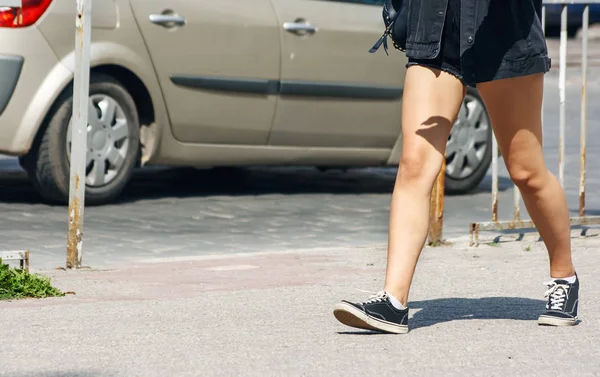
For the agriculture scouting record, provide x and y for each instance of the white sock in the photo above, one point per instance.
(571, 280)
(395, 302)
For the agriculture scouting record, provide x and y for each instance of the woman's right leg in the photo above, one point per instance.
(431, 101)
(430, 105)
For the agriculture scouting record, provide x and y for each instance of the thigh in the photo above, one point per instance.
(430, 105)
(515, 109)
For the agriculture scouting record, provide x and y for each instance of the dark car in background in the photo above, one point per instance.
(574, 17)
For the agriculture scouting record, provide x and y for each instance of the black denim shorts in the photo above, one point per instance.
(448, 60)
(477, 40)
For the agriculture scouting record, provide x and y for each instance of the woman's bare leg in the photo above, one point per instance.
(430, 104)
(515, 108)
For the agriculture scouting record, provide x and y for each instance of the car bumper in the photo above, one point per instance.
(30, 79)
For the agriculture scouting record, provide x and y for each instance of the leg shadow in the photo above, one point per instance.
(443, 310)
(433, 312)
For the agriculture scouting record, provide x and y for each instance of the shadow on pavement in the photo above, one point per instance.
(433, 312)
(188, 182)
(158, 183)
(453, 309)
(61, 374)
(15, 187)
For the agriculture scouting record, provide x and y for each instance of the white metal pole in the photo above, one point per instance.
(494, 179)
(79, 127)
(562, 78)
(544, 31)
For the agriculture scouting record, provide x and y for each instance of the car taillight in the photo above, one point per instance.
(25, 15)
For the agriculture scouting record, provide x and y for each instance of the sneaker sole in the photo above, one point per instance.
(350, 316)
(545, 320)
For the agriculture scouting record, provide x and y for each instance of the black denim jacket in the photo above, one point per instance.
(498, 38)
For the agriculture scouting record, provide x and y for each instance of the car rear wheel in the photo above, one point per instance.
(113, 144)
(469, 147)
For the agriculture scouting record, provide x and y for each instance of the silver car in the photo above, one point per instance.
(209, 83)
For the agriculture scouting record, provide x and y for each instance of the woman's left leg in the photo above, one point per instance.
(515, 108)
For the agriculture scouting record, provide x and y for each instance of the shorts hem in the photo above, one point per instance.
(449, 70)
(515, 69)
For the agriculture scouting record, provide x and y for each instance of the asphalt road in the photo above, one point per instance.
(182, 212)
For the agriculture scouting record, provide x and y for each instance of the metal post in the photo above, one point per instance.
(476, 227)
(517, 202)
(582, 140)
(494, 179)
(544, 31)
(562, 77)
(544, 19)
(78, 162)
(436, 212)
(21, 255)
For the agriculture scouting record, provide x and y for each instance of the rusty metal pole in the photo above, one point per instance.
(582, 137)
(78, 156)
(436, 211)
(516, 223)
(494, 179)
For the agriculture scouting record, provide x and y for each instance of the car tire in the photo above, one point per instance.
(469, 137)
(47, 163)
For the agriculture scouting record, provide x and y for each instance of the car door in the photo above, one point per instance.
(218, 64)
(334, 93)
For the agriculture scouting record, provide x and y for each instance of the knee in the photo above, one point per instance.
(418, 171)
(527, 178)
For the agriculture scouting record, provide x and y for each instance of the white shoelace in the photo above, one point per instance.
(377, 297)
(557, 294)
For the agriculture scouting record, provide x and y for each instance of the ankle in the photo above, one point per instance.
(563, 272)
(399, 295)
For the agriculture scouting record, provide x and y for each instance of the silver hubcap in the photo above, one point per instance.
(468, 139)
(108, 140)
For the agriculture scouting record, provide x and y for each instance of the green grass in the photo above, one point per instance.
(439, 243)
(16, 283)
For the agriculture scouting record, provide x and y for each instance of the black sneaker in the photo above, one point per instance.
(563, 299)
(377, 313)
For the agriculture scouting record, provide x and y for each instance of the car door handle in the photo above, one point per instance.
(300, 27)
(167, 20)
